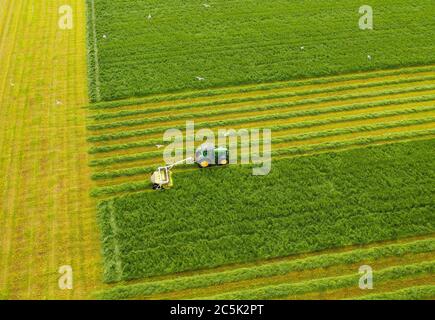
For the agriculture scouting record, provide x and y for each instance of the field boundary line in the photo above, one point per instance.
(95, 47)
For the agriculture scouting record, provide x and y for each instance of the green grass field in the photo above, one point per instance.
(226, 215)
(264, 273)
(352, 115)
(249, 41)
(47, 218)
(352, 118)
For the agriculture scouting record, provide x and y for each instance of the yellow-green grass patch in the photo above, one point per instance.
(47, 217)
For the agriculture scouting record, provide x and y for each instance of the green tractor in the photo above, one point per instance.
(207, 154)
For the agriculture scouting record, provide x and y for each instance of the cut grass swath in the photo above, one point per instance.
(214, 93)
(284, 139)
(283, 290)
(218, 104)
(266, 270)
(210, 113)
(412, 293)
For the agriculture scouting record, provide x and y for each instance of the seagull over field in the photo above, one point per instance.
(104, 36)
(206, 5)
(302, 48)
(58, 102)
(200, 78)
(369, 57)
(149, 16)
(159, 146)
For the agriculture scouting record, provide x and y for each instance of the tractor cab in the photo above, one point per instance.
(207, 154)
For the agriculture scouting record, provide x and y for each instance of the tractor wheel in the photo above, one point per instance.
(156, 186)
(203, 164)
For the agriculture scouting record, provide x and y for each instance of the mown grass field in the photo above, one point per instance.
(47, 218)
(169, 44)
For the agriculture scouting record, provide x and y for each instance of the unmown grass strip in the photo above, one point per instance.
(267, 270)
(249, 88)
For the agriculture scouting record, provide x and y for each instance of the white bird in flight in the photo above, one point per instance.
(206, 5)
(149, 16)
(200, 78)
(159, 146)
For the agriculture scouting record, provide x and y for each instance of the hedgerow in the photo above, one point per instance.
(305, 204)
(266, 270)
